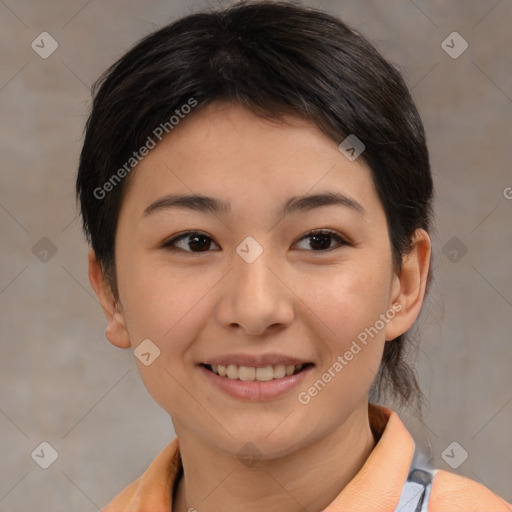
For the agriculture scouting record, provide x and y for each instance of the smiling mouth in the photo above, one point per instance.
(260, 374)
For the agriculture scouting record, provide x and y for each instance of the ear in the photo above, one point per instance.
(408, 289)
(116, 331)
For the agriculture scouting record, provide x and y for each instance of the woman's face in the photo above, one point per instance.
(252, 286)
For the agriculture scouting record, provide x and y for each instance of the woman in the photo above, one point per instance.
(256, 189)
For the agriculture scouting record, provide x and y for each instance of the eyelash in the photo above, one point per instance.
(169, 245)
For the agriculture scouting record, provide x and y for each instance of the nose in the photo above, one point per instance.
(256, 298)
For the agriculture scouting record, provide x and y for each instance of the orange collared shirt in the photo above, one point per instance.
(374, 488)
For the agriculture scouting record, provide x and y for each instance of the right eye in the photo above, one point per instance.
(189, 240)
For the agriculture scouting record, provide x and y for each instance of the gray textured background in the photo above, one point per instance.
(63, 383)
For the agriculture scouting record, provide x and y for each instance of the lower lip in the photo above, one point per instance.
(255, 390)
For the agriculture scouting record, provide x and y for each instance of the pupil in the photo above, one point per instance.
(193, 240)
(323, 237)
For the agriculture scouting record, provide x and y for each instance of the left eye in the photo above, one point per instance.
(320, 241)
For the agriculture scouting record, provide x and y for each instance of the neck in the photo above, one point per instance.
(310, 478)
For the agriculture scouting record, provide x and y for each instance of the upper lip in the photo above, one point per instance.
(255, 361)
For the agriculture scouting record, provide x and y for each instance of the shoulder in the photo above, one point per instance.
(456, 493)
(153, 489)
(123, 499)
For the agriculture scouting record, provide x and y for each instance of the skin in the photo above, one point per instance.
(294, 299)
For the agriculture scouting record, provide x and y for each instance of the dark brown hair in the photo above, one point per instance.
(274, 58)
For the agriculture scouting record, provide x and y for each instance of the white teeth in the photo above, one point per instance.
(249, 373)
(279, 371)
(232, 371)
(265, 373)
(246, 373)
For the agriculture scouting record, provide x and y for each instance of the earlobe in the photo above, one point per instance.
(115, 331)
(409, 286)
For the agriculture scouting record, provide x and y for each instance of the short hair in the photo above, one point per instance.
(275, 59)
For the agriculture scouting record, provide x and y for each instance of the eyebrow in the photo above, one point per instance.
(205, 204)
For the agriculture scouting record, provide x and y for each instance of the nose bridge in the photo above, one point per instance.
(257, 298)
(253, 278)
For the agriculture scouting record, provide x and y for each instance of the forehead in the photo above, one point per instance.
(223, 150)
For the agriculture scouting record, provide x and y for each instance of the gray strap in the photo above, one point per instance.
(416, 490)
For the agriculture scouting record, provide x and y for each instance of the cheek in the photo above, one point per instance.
(349, 333)
(164, 305)
(170, 308)
(169, 325)
(350, 345)
(348, 299)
